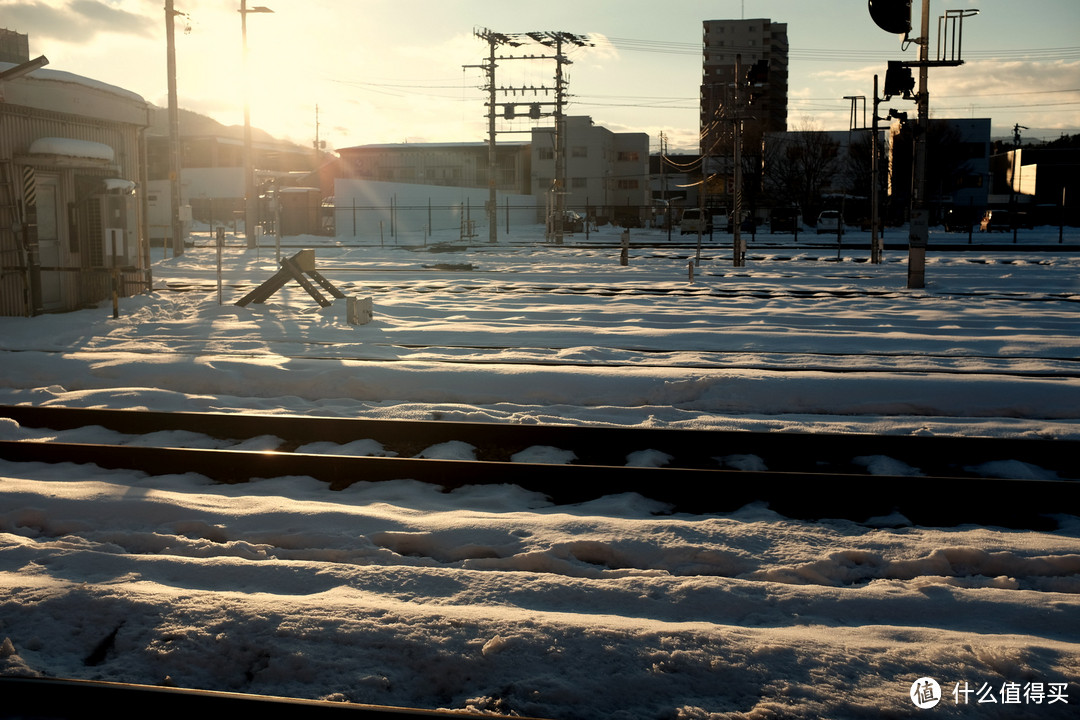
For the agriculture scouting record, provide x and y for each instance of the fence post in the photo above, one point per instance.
(220, 243)
(115, 276)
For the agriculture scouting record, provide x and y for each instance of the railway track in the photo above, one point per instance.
(668, 290)
(1032, 366)
(805, 476)
(64, 699)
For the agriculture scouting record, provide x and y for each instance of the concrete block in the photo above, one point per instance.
(358, 311)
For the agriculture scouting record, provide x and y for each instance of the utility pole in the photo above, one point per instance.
(853, 125)
(663, 174)
(738, 244)
(493, 231)
(493, 40)
(919, 230)
(1014, 180)
(174, 132)
(554, 40)
(560, 141)
(318, 153)
(876, 245)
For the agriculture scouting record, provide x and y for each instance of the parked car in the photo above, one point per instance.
(692, 221)
(572, 222)
(829, 221)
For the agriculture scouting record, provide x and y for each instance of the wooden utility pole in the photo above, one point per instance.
(738, 244)
(174, 132)
(875, 212)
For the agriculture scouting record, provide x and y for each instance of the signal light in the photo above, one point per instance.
(892, 16)
(898, 81)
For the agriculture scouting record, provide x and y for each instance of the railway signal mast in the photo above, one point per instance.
(894, 16)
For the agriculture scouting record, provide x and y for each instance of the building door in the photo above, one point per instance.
(48, 233)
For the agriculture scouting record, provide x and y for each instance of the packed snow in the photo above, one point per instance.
(491, 598)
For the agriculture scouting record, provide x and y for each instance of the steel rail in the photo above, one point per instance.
(596, 445)
(924, 500)
(207, 349)
(810, 476)
(69, 699)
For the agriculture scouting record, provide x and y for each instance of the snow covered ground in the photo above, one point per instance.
(491, 598)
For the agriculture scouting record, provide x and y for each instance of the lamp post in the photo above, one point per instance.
(175, 222)
(249, 171)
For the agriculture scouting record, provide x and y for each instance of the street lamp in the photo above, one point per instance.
(249, 171)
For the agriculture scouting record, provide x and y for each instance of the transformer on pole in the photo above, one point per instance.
(555, 41)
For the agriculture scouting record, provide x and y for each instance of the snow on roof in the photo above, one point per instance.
(119, 185)
(67, 147)
(63, 76)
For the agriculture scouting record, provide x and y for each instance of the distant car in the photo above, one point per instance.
(829, 221)
(572, 222)
(995, 221)
(692, 222)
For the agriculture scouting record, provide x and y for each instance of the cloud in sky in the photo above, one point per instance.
(383, 70)
(75, 21)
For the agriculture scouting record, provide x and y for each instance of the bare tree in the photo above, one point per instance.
(801, 167)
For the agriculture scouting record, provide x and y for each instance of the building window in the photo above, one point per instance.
(627, 156)
(579, 182)
(628, 185)
(546, 154)
(579, 151)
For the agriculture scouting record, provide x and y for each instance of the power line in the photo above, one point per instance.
(832, 54)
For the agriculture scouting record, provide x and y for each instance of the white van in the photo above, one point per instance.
(692, 222)
(830, 221)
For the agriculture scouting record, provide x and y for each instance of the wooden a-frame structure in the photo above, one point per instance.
(294, 268)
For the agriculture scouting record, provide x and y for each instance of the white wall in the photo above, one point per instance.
(361, 205)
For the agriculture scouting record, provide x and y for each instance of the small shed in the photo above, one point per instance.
(301, 210)
(71, 173)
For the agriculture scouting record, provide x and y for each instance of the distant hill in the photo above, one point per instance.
(193, 124)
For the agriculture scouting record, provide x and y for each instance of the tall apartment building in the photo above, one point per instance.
(750, 41)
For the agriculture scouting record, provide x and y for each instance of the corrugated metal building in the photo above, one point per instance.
(71, 215)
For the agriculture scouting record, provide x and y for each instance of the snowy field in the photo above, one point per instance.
(491, 598)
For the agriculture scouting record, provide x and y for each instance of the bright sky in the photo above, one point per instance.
(392, 71)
